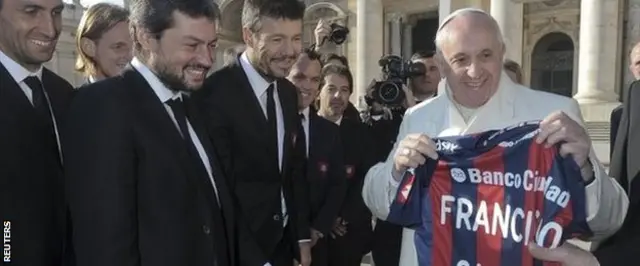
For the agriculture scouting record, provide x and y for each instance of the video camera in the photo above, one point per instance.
(388, 92)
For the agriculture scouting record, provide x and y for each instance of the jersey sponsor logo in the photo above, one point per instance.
(443, 145)
(508, 144)
(529, 181)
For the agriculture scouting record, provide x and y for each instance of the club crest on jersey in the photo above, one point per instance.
(323, 167)
(349, 170)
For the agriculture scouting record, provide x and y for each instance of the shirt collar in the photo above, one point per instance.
(18, 72)
(257, 82)
(163, 93)
(305, 113)
(339, 121)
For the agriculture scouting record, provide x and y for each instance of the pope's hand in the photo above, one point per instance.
(567, 254)
(559, 128)
(412, 152)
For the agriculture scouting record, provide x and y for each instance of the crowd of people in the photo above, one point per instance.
(158, 159)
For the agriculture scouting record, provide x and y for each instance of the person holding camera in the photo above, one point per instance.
(383, 123)
(425, 86)
(336, 34)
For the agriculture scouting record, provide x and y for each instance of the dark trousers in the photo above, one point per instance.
(386, 244)
(283, 255)
(349, 249)
(320, 252)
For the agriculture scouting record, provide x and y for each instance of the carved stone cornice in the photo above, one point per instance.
(551, 23)
(396, 17)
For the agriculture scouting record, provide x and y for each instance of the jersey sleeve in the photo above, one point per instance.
(406, 209)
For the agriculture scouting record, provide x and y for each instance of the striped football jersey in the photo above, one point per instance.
(488, 196)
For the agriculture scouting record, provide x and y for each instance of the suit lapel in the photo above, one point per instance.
(196, 122)
(314, 140)
(247, 99)
(154, 116)
(13, 95)
(290, 116)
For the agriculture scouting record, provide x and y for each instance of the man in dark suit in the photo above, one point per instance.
(616, 114)
(352, 234)
(625, 168)
(143, 179)
(325, 167)
(33, 105)
(253, 114)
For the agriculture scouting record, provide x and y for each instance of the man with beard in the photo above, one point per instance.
(144, 183)
(478, 96)
(33, 105)
(253, 115)
(352, 233)
(103, 42)
(325, 167)
(426, 85)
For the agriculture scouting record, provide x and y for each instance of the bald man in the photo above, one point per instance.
(634, 67)
(478, 96)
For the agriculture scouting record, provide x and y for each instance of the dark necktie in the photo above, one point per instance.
(42, 107)
(302, 136)
(180, 114)
(272, 122)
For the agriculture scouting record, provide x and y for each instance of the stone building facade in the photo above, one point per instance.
(577, 48)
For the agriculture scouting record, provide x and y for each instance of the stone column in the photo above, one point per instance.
(407, 40)
(395, 19)
(370, 45)
(600, 40)
(510, 17)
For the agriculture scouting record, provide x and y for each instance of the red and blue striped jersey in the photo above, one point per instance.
(487, 196)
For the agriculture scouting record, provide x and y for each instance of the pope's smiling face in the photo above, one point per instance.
(471, 57)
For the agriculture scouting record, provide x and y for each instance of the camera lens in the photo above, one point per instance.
(416, 69)
(338, 34)
(389, 93)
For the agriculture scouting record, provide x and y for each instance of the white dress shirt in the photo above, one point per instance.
(260, 86)
(164, 94)
(19, 74)
(305, 126)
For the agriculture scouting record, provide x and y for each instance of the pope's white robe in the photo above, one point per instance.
(512, 103)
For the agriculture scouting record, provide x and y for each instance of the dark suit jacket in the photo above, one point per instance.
(325, 172)
(352, 112)
(625, 167)
(135, 197)
(616, 114)
(238, 127)
(359, 158)
(32, 204)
